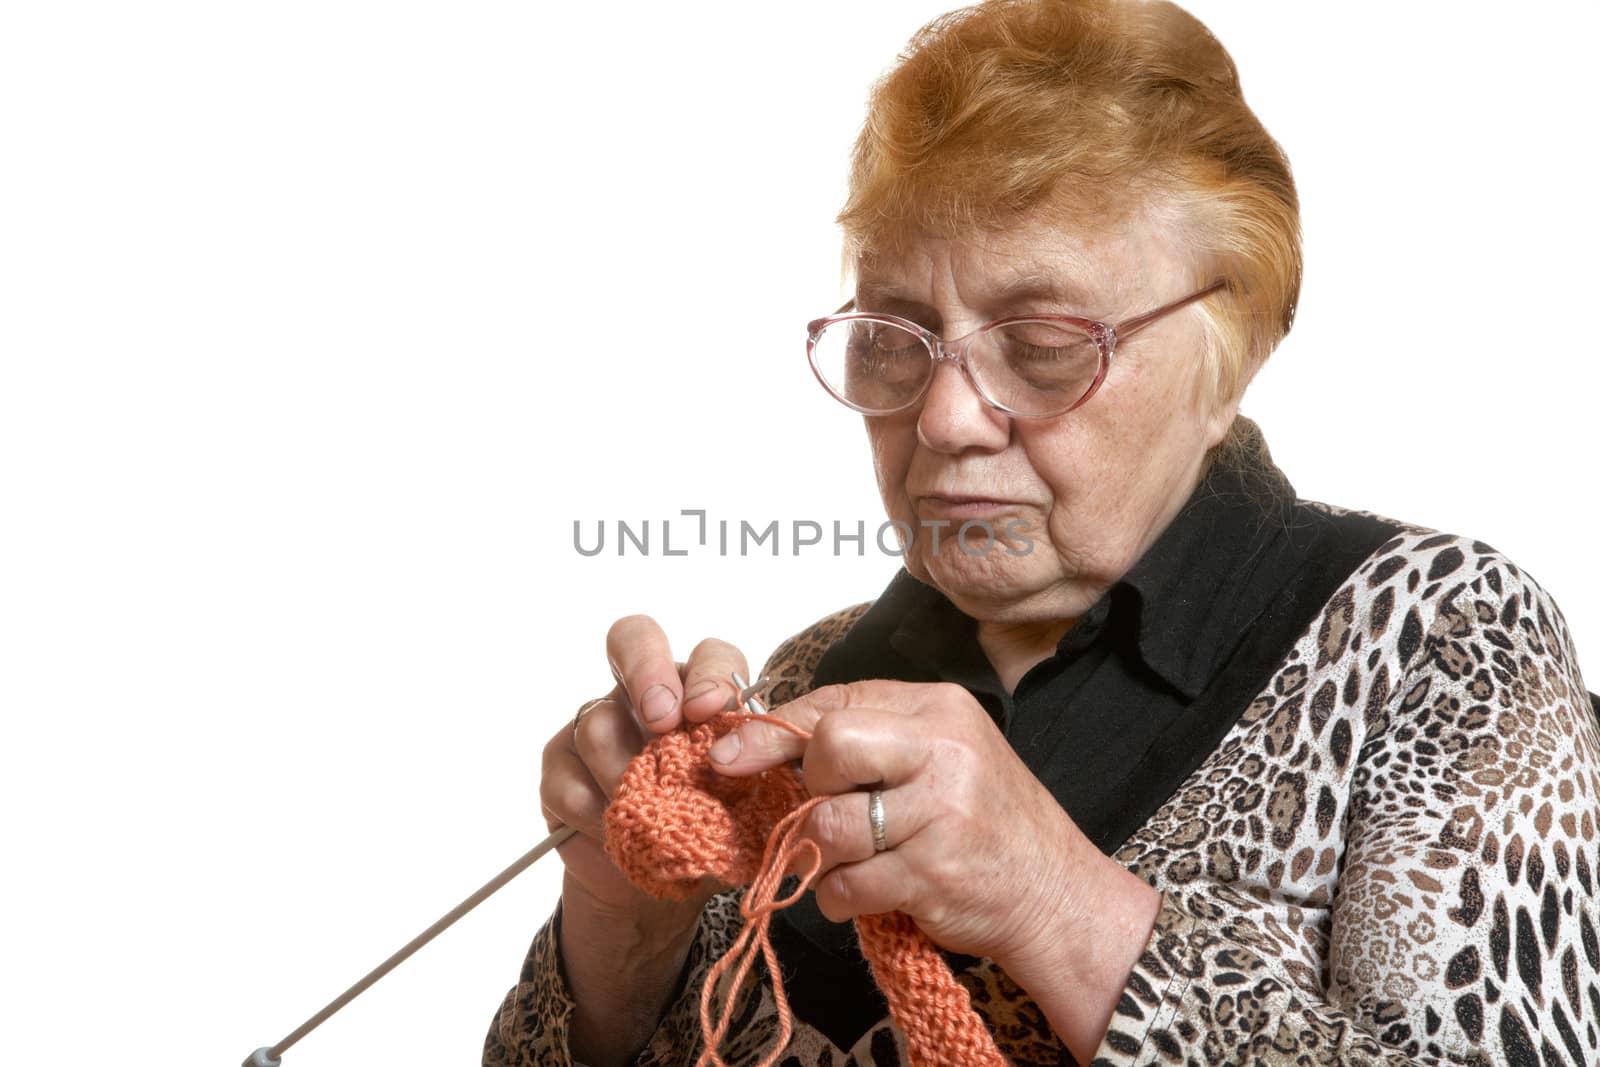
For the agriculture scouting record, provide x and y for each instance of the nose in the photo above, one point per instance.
(954, 415)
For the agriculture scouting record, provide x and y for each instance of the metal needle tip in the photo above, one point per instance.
(747, 693)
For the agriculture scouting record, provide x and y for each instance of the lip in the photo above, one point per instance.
(962, 506)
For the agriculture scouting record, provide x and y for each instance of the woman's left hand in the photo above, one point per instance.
(978, 851)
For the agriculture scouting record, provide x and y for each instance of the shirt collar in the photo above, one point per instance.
(1187, 601)
(1215, 567)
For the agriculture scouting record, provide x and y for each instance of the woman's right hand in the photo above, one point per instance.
(584, 761)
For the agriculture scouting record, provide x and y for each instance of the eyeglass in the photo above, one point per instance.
(1028, 366)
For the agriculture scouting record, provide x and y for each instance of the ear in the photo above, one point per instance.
(1226, 410)
(1222, 419)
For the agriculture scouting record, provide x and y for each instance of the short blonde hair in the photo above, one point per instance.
(1087, 108)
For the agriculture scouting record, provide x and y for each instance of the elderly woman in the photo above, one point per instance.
(1172, 765)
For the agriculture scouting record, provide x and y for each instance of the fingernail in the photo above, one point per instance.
(699, 691)
(726, 750)
(658, 703)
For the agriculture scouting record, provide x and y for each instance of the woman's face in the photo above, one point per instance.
(1090, 489)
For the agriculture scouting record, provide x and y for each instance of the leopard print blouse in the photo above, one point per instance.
(1390, 858)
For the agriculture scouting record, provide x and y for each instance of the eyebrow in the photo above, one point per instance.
(875, 294)
(1027, 288)
(1040, 287)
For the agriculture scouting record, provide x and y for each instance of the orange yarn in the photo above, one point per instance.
(674, 820)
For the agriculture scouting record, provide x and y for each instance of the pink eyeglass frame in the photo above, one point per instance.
(1104, 335)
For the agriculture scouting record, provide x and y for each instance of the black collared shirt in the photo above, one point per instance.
(1139, 657)
(1137, 693)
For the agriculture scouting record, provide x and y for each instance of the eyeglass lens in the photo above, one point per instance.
(1030, 367)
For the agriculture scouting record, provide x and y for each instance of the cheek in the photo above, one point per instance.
(1105, 474)
(893, 441)
(1152, 421)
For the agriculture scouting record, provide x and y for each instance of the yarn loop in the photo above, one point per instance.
(674, 820)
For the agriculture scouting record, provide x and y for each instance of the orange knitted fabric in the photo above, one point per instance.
(674, 819)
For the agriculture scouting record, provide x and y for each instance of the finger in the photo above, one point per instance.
(759, 746)
(873, 887)
(642, 661)
(856, 747)
(607, 737)
(708, 679)
(842, 825)
(568, 794)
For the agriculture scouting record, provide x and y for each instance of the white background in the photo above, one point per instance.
(301, 397)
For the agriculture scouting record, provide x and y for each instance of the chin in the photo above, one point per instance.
(990, 585)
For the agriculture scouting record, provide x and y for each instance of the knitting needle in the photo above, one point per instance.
(747, 693)
(271, 1055)
(750, 702)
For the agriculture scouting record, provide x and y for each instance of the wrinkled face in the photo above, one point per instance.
(1073, 500)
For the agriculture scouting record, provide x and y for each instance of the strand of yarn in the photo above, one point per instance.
(757, 907)
(675, 820)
